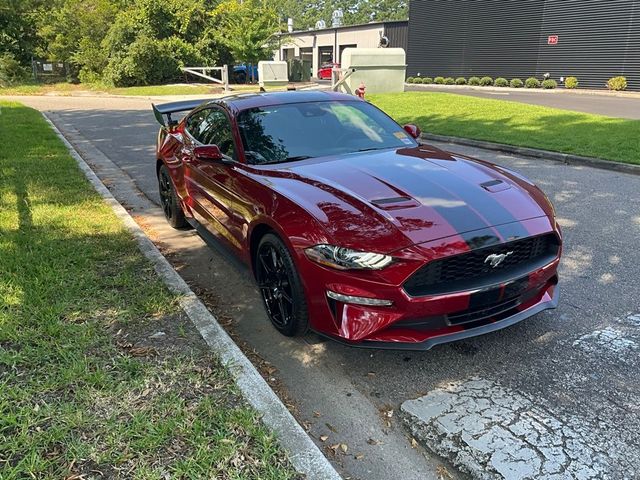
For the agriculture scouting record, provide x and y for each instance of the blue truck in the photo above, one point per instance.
(244, 73)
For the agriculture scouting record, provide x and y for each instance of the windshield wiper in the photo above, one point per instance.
(295, 159)
(288, 159)
(371, 148)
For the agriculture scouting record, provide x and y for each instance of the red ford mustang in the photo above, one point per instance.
(351, 227)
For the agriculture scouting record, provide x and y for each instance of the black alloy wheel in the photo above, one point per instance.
(169, 200)
(280, 287)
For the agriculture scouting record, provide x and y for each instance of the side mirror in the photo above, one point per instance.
(207, 152)
(412, 130)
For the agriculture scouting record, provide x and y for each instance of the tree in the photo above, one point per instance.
(248, 28)
(18, 28)
(305, 14)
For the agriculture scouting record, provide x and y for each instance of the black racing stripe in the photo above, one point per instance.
(481, 239)
(512, 231)
(490, 208)
(478, 210)
(461, 217)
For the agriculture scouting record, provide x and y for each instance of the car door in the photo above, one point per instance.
(210, 183)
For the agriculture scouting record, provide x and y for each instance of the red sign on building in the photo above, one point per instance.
(552, 40)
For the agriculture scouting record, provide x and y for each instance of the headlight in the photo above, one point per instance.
(347, 259)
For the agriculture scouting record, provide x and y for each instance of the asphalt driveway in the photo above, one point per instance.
(560, 391)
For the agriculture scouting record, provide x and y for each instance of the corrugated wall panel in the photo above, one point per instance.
(593, 41)
(397, 32)
(597, 39)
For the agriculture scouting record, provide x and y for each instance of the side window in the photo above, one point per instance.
(195, 124)
(217, 131)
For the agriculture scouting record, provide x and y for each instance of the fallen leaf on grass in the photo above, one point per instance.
(141, 351)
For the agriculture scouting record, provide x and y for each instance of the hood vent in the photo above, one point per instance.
(393, 203)
(494, 186)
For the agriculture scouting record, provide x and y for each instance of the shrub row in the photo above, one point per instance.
(615, 83)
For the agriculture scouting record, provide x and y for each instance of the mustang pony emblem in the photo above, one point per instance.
(494, 259)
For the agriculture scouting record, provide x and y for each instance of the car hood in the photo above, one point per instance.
(390, 199)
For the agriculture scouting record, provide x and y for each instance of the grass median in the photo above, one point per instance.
(516, 123)
(101, 374)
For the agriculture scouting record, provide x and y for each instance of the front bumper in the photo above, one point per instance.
(549, 301)
(420, 322)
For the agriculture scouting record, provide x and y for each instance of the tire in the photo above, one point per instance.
(169, 200)
(240, 78)
(280, 287)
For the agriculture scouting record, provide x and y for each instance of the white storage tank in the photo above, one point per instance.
(273, 73)
(381, 69)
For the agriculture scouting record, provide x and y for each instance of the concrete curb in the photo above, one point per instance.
(305, 456)
(544, 154)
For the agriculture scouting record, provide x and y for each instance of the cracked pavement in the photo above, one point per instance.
(491, 432)
(574, 367)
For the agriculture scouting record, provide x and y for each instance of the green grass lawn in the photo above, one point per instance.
(516, 124)
(84, 392)
(64, 88)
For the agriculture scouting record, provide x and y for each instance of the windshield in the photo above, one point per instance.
(296, 131)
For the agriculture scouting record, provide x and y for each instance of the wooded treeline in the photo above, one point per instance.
(144, 42)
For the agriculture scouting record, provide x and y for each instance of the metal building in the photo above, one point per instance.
(324, 45)
(593, 40)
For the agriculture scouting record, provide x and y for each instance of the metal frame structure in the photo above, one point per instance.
(202, 72)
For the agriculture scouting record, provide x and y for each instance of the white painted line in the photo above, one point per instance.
(634, 319)
(608, 340)
(492, 432)
(305, 456)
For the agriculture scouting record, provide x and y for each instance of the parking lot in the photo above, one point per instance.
(556, 396)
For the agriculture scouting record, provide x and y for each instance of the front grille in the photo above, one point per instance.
(473, 269)
(473, 315)
(488, 306)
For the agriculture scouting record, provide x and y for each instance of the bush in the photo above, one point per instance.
(501, 82)
(438, 80)
(461, 81)
(617, 83)
(571, 82)
(516, 83)
(427, 80)
(410, 80)
(11, 72)
(475, 81)
(549, 84)
(532, 82)
(486, 81)
(148, 61)
(449, 81)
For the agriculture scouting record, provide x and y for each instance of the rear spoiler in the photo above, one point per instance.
(167, 109)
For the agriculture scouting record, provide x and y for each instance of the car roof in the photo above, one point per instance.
(242, 101)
